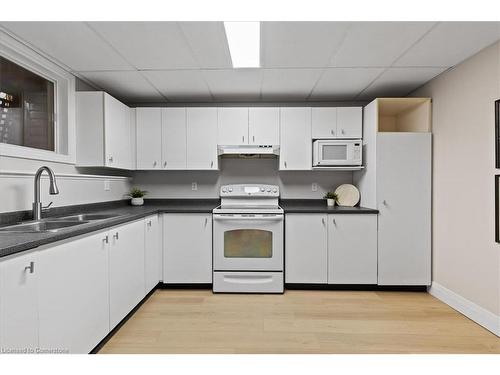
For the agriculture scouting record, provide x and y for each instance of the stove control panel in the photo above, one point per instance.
(250, 190)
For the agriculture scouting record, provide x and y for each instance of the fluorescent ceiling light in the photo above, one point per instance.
(243, 39)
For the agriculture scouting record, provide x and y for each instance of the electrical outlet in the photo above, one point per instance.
(314, 186)
(194, 186)
(107, 185)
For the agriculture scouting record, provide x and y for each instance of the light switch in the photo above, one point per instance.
(194, 186)
(107, 185)
(314, 186)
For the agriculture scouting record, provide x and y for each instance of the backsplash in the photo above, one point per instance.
(293, 184)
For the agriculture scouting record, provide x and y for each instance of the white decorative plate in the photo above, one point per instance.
(348, 195)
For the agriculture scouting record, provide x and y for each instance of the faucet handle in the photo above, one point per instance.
(47, 206)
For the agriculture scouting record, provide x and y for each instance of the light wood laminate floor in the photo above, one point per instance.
(197, 321)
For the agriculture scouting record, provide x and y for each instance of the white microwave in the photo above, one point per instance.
(337, 152)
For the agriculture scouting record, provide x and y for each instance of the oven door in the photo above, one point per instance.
(248, 242)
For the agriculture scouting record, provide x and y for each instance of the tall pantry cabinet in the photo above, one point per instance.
(397, 148)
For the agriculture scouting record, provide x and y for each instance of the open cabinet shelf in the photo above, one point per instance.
(404, 115)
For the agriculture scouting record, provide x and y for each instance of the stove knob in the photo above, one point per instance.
(230, 189)
(268, 190)
(224, 190)
(275, 190)
(262, 189)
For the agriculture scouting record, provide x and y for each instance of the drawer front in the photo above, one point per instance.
(248, 282)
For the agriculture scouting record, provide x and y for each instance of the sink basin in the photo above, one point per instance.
(42, 226)
(85, 217)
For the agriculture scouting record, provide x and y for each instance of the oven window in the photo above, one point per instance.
(248, 243)
(334, 152)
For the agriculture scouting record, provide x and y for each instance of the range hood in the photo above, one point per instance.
(248, 150)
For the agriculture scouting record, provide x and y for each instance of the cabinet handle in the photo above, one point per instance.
(253, 138)
(323, 221)
(285, 165)
(211, 164)
(110, 159)
(343, 131)
(384, 202)
(154, 164)
(164, 164)
(334, 222)
(106, 239)
(331, 131)
(206, 221)
(30, 268)
(149, 223)
(116, 236)
(243, 139)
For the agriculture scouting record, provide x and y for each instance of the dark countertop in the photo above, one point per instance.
(319, 206)
(11, 242)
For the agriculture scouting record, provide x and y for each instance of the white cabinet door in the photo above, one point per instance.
(148, 138)
(404, 200)
(264, 126)
(352, 249)
(152, 256)
(349, 122)
(117, 133)
(324, 122)
(18, 302)
(126, 269)
(202, 138)
(73, 294)
(306, 248)
(173, 138)
(187, 248)
(296, 141)
(232, 126)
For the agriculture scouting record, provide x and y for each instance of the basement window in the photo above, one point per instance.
(26, 107)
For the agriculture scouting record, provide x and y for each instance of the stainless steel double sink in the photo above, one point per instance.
(55, 224)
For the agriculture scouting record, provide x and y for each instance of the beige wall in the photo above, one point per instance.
(466, 259)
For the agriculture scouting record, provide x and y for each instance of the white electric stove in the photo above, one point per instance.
(248, 240)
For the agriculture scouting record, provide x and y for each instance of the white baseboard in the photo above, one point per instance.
(471, 310)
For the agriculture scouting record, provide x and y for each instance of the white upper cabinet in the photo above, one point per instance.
(264, 126)
(103, 134)
(18, 302)
(174, 151)
(340, 122)
(232, 126)
(149, 138)
(324, 122)
(202, 138)
(295, 138)
(349, 122)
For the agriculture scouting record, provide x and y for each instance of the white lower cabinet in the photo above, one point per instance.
(352, 249)
(152, 252)
(333, 249)
(19, 303)
(306, 249)
(126, 270)
(187, 248)
(73, 294)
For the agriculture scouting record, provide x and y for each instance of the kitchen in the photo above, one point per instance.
(304, 199)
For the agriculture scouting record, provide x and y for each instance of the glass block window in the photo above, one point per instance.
(26, 107)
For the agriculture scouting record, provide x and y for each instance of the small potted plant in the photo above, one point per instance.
(331, 198)
(137, 196)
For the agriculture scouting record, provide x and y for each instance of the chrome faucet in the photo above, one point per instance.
(37, 205)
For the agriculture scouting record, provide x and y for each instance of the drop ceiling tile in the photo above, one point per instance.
(179, 85)
(234, 84)
(449, 43)
(289, 84)
(399, 82)
(129, 87)
(372, 44)
(343, 83)
(300, 44)
(208, 43)
(71, 43)
(148, 45)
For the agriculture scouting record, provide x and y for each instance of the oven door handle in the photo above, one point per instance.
(248, 218)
